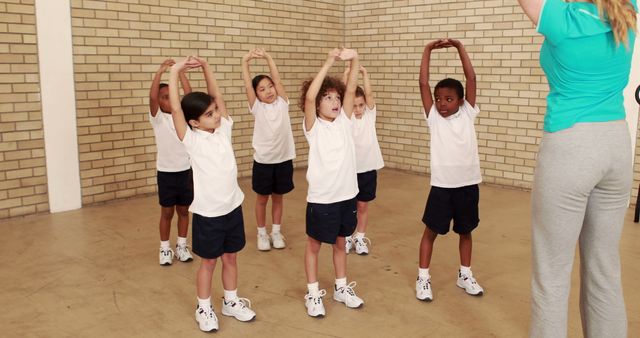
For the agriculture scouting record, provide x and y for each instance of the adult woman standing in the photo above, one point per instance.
(583, 175)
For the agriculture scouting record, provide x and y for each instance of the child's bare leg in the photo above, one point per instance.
(205, 272)
(166, 215)
(465, 247)
(229, 271)
(426, 247)
(363, 216)
(340, 258)
(277, 204)
(311, 259)
(183, 220)
(261, 209)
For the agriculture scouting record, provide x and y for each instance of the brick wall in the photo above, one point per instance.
(23, 181)
(118, 47)
(503, 47)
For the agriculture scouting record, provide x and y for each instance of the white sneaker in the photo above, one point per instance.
(347, 296)
(263, 242)
(206, 319)
(183, 254)
(166, 256)
(361, 245)
(240, 309)
(423, 289)
(349, 244)
(314, 305)
(469, 284)
(277, 238)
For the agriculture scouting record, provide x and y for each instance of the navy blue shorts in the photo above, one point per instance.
(367, 183)
(214, 236)
(274, 178)
(325, 222)
(457, 204)
(175, 188)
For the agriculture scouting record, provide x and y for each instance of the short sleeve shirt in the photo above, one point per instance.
(587, 72)
(368, 154)
(454, 148)
(272, 136)
(172, 156)
(331, 172)
(215, 173)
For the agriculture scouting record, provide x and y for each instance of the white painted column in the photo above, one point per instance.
(55, 57)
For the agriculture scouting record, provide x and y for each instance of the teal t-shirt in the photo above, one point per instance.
(587, 72)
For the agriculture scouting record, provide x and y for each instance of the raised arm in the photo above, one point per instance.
(314, 88)
(246, 77)
(155, 86)
(425, 90)
(275, 75)
(186, 86)
(352, 82)
(174, 95)
(469, 73)
(368, 92)
(532, 9)
(212, 87)
(345, 74)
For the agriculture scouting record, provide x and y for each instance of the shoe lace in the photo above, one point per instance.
(363, 241)
(349, 288)
(166, 252)
(318, 298)
(206, 313)
(423, 283)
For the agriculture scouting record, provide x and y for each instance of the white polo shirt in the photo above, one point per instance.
(172, 156)
(272, 136)
(215, 174)
(368, 154)
(332, 161)
(454, 148)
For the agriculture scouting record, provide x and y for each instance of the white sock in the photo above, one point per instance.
(341, 282)
(275, 228)
(204, 303)
(231, 295)
(423, 273)
(262, 230)
(359, 234)
(182, 241)
(165, 245)
(313, 288)
(465, 270)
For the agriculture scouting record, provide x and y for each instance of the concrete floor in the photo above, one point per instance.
(94, 272)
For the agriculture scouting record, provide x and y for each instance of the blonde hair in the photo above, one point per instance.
(621, 16)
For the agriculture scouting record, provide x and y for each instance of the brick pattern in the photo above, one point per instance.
(23, 180)
(118, 47)
(503, 47)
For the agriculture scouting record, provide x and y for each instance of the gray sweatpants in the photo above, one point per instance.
(580, 193)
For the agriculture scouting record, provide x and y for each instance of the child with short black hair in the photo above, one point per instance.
(331, 204)
(455, 167)
(273, 145)
(368, 159)
(204, 127)
(174, 177)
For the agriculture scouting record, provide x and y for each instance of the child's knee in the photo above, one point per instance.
(229, 258)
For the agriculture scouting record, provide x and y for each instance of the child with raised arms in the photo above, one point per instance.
(331, 174)
(174, 177)
(455, 167)
(204, 127)
(368, 159)
(273, 145)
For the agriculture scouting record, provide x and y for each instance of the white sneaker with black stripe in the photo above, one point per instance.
(346, 295)
(206, 318)
(469, 284)
(239, 308)
(166, 256)
(314, 305)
